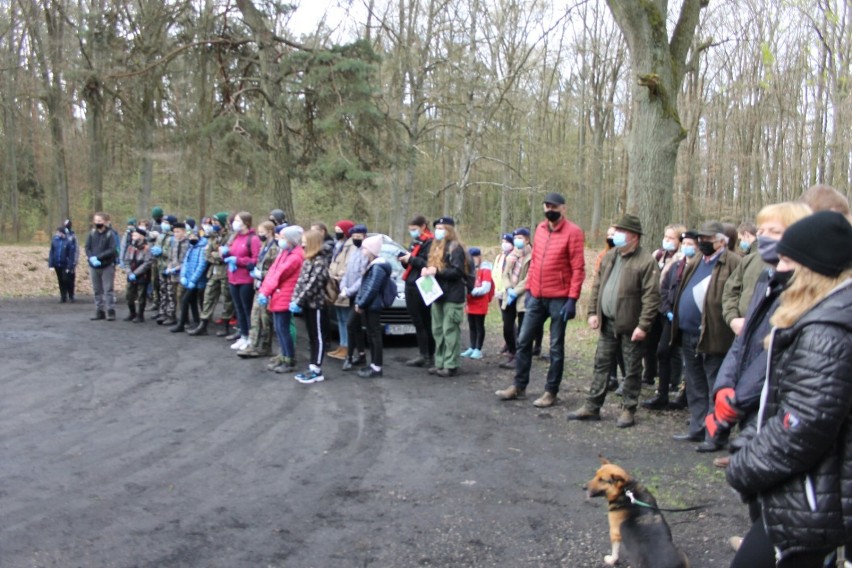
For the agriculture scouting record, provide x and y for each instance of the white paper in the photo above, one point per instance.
(429, 289)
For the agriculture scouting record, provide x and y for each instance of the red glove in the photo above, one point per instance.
(712, 425)
(725, 408)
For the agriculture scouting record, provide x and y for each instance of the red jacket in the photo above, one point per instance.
(478, 305)
(280, 281)
(558, 267)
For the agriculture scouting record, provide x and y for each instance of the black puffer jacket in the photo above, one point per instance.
(800, 463)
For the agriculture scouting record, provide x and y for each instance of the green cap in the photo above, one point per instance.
(132, 221)
(157, 212)
(222, 217)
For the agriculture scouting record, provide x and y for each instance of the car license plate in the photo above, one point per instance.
(399, 329)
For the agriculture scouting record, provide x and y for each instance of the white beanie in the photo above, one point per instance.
(293, 234)
(373, 244)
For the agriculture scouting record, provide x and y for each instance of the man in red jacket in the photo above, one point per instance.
(556, 274)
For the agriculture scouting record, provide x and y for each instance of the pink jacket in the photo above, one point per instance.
(245, 248)
(280, 281)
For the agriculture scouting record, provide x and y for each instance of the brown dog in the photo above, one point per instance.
(638, 532)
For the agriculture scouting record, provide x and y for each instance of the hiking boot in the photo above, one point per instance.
(287, 365)
(433, 370)
(369, 373)
(447, 372)
(656, 402)
(625, 419)
(511, 393)
(170, 322)
(110, 315)
(178, 328)
(419, 361)
(99, 315)
(130, 317)
(584, 413)
(509, 363)
(160, 319)
(546, 400)
(679, 402)
(201, 329)
(274, 362)
(309, 377)
(224, 331)
(248, 353)
(339, 353)
(140, 317)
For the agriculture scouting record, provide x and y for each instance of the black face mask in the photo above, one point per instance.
(609, 242)
(707, 248)
(552, 216)
(357, 242)
(193, 241)
(263, 238)
(339, 236)
(781, 278)
(99, 226)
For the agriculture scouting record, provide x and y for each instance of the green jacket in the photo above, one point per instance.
(740, 286)
(216, 269)
(638, 290)
(716, 336)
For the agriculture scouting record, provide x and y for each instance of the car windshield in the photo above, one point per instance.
(390, 251)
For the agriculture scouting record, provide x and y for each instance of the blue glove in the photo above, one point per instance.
(670, 316)
(569, 310)
(156, 251)
(255, 273)
(294, 308)
(262, 300)
(93, 260)
(231, 261)
(183, 282)
(189, 285)
(131, 277)
(224, 250)
(511, 296)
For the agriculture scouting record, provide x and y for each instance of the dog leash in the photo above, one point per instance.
(635, 501)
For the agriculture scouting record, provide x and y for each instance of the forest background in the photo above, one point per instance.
(473, 108)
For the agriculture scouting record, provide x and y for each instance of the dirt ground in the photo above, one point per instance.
(124, 445)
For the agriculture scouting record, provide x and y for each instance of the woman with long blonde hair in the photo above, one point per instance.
(309, 299)
(447, 264)
(799, 464)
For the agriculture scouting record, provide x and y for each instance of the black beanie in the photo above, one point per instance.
(821, 242)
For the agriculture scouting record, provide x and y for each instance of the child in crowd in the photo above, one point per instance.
(260, 331)
(477, 304)
(368, 303)
(193, 279)
(137, 262)
(309, 298)
(277, 290)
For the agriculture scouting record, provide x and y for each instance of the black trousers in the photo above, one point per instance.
(189, 301)
(65, 279)
(316, 322)
(510, 331)
(651, 343)
(355, 328)
(669, 361)
(757, 551)
(371, 322)
(421, 317)
(476, 323)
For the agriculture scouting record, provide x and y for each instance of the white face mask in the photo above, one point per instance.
(282, 243)
(237, 225)
(207, 229)
(507, 247)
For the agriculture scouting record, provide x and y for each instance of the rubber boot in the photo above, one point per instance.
(200, 330)
(140, 310)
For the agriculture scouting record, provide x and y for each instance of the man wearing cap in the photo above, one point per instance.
(217, 277)
(177, 251)
(699, 326)
(625, 300)
(556, 275)
(154, 232)
(137, 263)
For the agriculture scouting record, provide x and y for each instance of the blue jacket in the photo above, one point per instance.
(370, 294)
(194, 267)
(744, 367)
(63, 252)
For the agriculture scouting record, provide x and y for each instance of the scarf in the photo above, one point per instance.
(415, 250)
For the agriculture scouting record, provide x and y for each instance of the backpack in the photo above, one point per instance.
(389, 292)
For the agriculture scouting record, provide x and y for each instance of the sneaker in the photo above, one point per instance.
(339, 353)
(419, 361)
(274, 363)
(467, 352)
(369, 373)
(447, 372)
(584, 413)
(625, 419)
(309, 377)
(240, 343)
(477, 354)
(546, 400)
(287, 365)
(509, 363)
(511, 393)
(248, 352)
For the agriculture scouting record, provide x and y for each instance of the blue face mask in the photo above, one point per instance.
(414, 233)
(165, 227)
(282, 243)
(744, 246)
(669, 246)
(688, 251)
(440, 234)
(519, 243)
(216, 228)
(619, 239)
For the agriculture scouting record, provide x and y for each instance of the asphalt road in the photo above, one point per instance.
(123, 445)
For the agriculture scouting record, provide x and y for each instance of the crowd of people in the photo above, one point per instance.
(747, 326)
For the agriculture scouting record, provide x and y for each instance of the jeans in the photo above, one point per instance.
(537, 311)
(342, 323)
(243, 296)
(281, 321)
(609, 344)
(102, 285)
(699, 370)
(421, 318)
